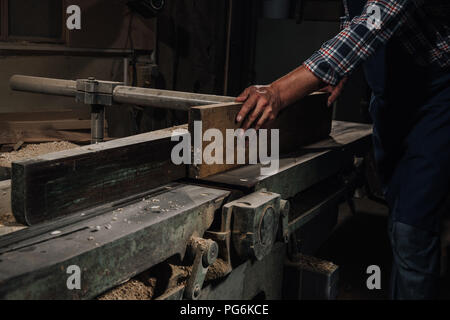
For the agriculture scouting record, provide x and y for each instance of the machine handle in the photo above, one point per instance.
(164, 98)
(58, 87)
(121, 95)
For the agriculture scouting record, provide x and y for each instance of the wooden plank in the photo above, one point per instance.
(61, 183)
(303, 123)
(307, 167)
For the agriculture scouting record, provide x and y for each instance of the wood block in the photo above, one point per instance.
(303, 123)
(57, 184)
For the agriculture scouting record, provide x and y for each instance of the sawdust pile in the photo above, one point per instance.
(316, 265)
(8, 224)
(132, 290)
(217, 270)
(7, 219)
(33, 150)
(149, 284)
(152, 283)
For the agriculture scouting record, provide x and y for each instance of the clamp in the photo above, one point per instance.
(97, 94)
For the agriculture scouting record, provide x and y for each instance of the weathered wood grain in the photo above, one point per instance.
(303, 123)
(60, 183)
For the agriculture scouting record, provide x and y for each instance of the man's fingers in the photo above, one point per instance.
(333, 96)
(327, 89)
(243, 96)
(255, 114)
(263, 119)
(336, 92)
(247, 107)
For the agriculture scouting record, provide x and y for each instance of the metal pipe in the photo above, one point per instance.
(56, 87)
(97, 123)
(122, 94)
(164, 98)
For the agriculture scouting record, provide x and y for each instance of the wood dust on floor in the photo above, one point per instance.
(7, 219)
(152, 283)
(33, 150)
(149, 284)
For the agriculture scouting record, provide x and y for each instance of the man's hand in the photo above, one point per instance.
(335, 92)
(262, 104)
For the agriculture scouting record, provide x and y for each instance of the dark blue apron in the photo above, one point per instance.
(410, 110)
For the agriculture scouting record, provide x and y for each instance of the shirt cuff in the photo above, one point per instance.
(322, 69)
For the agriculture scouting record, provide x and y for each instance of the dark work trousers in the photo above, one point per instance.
(410, 109)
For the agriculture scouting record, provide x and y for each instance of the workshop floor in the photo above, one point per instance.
(360, 241)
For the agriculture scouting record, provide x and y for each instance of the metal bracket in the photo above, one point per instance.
(91, 91)
(98, 94)
(206, 252)
(256, 218)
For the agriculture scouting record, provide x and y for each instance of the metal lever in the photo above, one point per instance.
(57, 87)
(120, 94)
(206, 252)
(99, 94)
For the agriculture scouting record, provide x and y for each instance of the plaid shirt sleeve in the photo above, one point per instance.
(359, 39)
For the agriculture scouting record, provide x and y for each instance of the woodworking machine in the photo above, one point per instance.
(116, 209)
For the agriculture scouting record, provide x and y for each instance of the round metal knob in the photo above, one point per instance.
(211, 254)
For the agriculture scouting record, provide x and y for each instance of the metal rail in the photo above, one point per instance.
(55, 87)
(121, 95)
(100, 94)
(164, 98)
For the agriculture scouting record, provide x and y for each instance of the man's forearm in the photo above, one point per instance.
(262, 103)
(296, 85)
(339, 56)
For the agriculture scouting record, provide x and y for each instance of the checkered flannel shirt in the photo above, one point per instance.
(421, 26)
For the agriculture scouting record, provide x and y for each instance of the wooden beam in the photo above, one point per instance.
(61, 183)
(303, 123)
